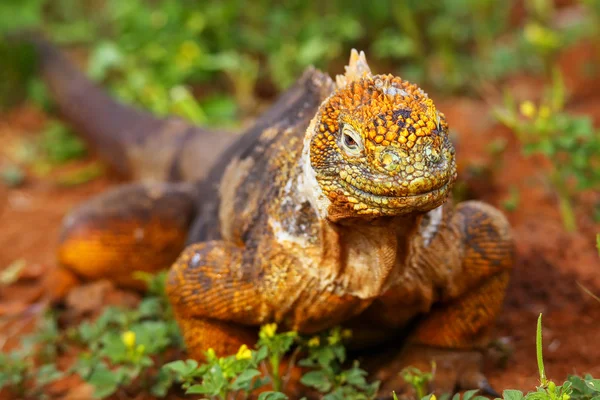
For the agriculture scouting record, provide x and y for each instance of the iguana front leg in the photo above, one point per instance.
(455, 331)
(215, 297)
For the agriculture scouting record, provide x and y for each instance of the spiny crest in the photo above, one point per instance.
(356, 69)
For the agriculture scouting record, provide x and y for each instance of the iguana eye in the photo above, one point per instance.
(351, 141)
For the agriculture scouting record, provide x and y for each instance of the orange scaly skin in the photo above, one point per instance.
(340, 215)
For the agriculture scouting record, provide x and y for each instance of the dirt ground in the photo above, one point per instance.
(550, 262)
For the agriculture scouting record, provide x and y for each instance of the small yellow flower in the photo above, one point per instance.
(433, 397)
(333, 339)
(314, 341)
(189, 50)
(243, 353)
(210, 354)
(128, 339)
(269, 330)
(527, 109)
(541, 37)
(544, 112)
(346, 334)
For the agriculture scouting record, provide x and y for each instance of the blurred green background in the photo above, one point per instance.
(215, 61)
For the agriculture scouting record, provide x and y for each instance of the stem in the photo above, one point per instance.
(275, 372)
(564, 203)
(538, 351)
(420, 391)
(567, 213)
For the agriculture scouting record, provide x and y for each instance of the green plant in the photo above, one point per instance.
(569, 142)
(59, 144)
(22, 378)
(123, 346)
(452, 45)
(277, 346)
(12, 175)
(221, 377)
(120, 348)
(240, 374)
(225, 377)
(418, 379)
(512, 202)
(326, 356)
(25, 376)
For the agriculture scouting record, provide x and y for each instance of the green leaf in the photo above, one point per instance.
(512, 395)
(469, 394)
(244, 380)
(182, 368)
(12, 176)
(593, 384)
(162, 384)
(60, 144)
(538, 350)
(260, 354)
(106, 55)
(201, 389)
(538, 396)
(317, 380)
(150, 307)
(356, 377)
(272, 396)
(213, 382)
(47, 374)
(105, 381)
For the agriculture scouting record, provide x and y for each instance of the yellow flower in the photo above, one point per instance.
(210, 354)
(527, 109)
(269, 330)
(544, 112)
(189, 50)
(541, 37)
(314, 341)
(128, 339)
(346, 334)
(243, 353)
(433, 397)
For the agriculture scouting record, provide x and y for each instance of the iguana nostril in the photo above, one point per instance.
(390, 160)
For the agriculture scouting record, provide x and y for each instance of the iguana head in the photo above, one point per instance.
(377, 147)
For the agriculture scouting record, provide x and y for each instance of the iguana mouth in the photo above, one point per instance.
(424, 201)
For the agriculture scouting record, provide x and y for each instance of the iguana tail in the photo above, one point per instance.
(133, 142)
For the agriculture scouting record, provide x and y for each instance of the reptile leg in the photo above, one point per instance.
(215, 298)
(135, 227)
(455, 331)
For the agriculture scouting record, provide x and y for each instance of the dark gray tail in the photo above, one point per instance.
(133, 142)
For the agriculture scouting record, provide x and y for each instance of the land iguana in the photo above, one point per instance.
(333, 209)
